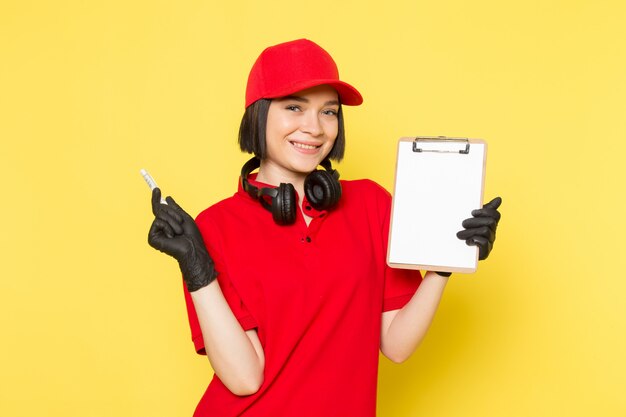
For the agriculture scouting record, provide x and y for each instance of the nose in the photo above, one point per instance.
(311, 124)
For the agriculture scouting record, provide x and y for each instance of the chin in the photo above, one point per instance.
(304, 168)
(306, 165)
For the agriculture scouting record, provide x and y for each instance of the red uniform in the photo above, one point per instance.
(315, 295)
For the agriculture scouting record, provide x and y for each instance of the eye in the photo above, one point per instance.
(293, 107)
(330, 112)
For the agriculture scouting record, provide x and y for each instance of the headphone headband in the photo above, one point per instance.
(246, 169)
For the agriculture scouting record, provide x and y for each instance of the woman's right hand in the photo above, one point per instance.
(175, 233)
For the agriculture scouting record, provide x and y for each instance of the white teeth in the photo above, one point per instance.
(303, 146)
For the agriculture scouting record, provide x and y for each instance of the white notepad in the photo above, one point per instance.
(439, 181)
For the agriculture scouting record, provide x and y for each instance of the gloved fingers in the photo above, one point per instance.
(170, 219)
(494, 204)
(484, 251)
(173, 212)
(484, 231)
(157, 207)
(484, 246)
(179, 209)
(474, 222)
(166, 212)
(487, 212)
(159, 230)
(170, 201)
(188, 224)
(480, 230)
(156, 200)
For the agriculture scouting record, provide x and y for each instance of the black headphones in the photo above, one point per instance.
(321, 188)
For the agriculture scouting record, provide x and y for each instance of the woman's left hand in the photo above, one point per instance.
(480, 230)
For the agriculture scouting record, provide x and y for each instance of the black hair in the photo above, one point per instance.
(254, 124)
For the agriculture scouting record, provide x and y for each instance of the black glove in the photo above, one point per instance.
(174, 232)
(480, 230)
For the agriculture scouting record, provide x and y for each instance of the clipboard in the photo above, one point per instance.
(439, 181)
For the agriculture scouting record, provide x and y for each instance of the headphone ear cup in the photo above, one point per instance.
(284, 205)
(322, 190)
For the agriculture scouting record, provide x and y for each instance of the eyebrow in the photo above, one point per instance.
(306, 100)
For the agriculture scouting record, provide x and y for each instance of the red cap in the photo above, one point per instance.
(289, 67)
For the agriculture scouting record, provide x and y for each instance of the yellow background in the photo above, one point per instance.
(92, 318)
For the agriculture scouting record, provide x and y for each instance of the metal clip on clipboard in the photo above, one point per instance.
(441, 139)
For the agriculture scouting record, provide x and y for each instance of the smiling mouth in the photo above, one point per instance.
(303, 146)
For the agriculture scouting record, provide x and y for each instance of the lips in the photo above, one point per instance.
(305, 146)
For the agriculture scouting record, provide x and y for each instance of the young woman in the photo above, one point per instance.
(287, 289)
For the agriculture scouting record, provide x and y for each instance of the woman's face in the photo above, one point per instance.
(302, 128)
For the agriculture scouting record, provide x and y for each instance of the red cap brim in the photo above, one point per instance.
(348, 95)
